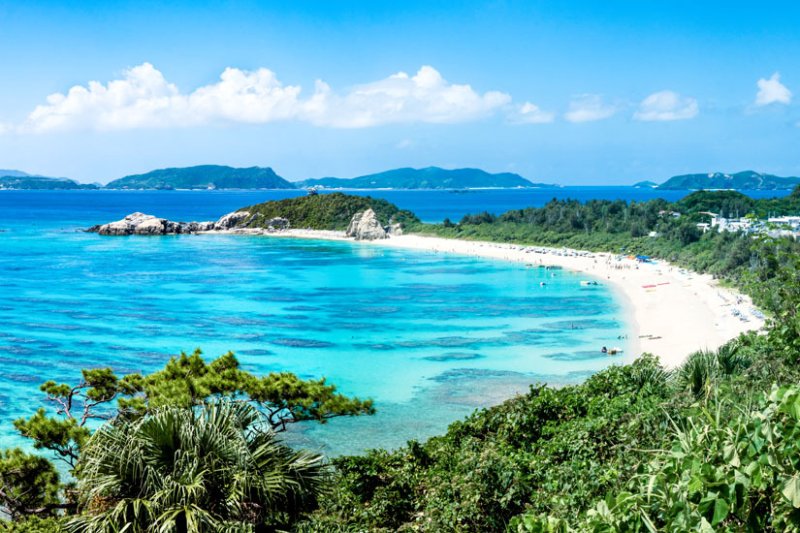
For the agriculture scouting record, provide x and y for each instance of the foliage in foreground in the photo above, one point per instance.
(588, 457)
(196, 456)
(550, 450)
(717, 475)
(185, 381)
(216, 467)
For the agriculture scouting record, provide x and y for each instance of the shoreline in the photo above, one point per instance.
(672, 312)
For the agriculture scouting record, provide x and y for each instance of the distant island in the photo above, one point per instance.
(746, 180)
(204, 177)
(426, 178)
(18, 180)
(224, 177)
(646, 185)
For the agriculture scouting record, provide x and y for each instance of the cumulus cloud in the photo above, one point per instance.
(772, 91)
(143, 98)
(588, 108)
(529, 113)
(666, 105)
(424, 97)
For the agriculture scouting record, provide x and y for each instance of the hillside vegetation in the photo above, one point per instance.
(425, 178)
(326, 211)
(204, 177)
(746, 180)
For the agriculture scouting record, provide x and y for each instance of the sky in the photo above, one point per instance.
(576, 93)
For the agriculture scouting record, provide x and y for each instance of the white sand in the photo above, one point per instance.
(672, 312)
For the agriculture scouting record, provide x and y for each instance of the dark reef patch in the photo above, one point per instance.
(302, 343)
(472, 373)
(255, 351)
(379, 347)
(454, 356)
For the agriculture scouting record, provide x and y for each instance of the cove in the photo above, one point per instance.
(428, 336)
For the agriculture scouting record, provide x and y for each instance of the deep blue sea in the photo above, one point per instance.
(428, 336)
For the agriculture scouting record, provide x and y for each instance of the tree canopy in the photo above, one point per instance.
(186, 380)
(215, 467)
(195, 419)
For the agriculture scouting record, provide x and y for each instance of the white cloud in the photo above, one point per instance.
(143, 98)
(242, 96)
(400, 98)
(666, 105)
(588, 108)
(529, 113)
(772, 91)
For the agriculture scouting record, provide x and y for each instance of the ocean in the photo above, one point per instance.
(430, 337)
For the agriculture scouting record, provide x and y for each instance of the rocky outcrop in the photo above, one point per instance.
(142, 224)
(196, 227)
(278, 223)
(232, 220)
(365, 226)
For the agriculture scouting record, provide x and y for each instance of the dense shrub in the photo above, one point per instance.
(327, 211)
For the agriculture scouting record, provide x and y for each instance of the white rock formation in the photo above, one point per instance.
(365, 226)
(139, 224)
(232, 220)
(395, 229)
(142, 224)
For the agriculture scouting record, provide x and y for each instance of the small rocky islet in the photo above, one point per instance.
(322, 212)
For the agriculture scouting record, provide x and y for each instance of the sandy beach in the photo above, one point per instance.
(672, 312)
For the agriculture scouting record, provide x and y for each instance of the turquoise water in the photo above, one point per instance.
(428, 336)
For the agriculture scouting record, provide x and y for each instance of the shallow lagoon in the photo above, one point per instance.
(428, 336)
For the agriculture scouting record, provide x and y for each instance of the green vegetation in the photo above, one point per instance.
(326, 211)
(712, 446)
(215, 468)
(739, 474)
(746, 180)
(204, 177)
(193, 444)
(426, 178)
(550, 450)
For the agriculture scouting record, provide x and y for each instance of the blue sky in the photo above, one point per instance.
(568, 92)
